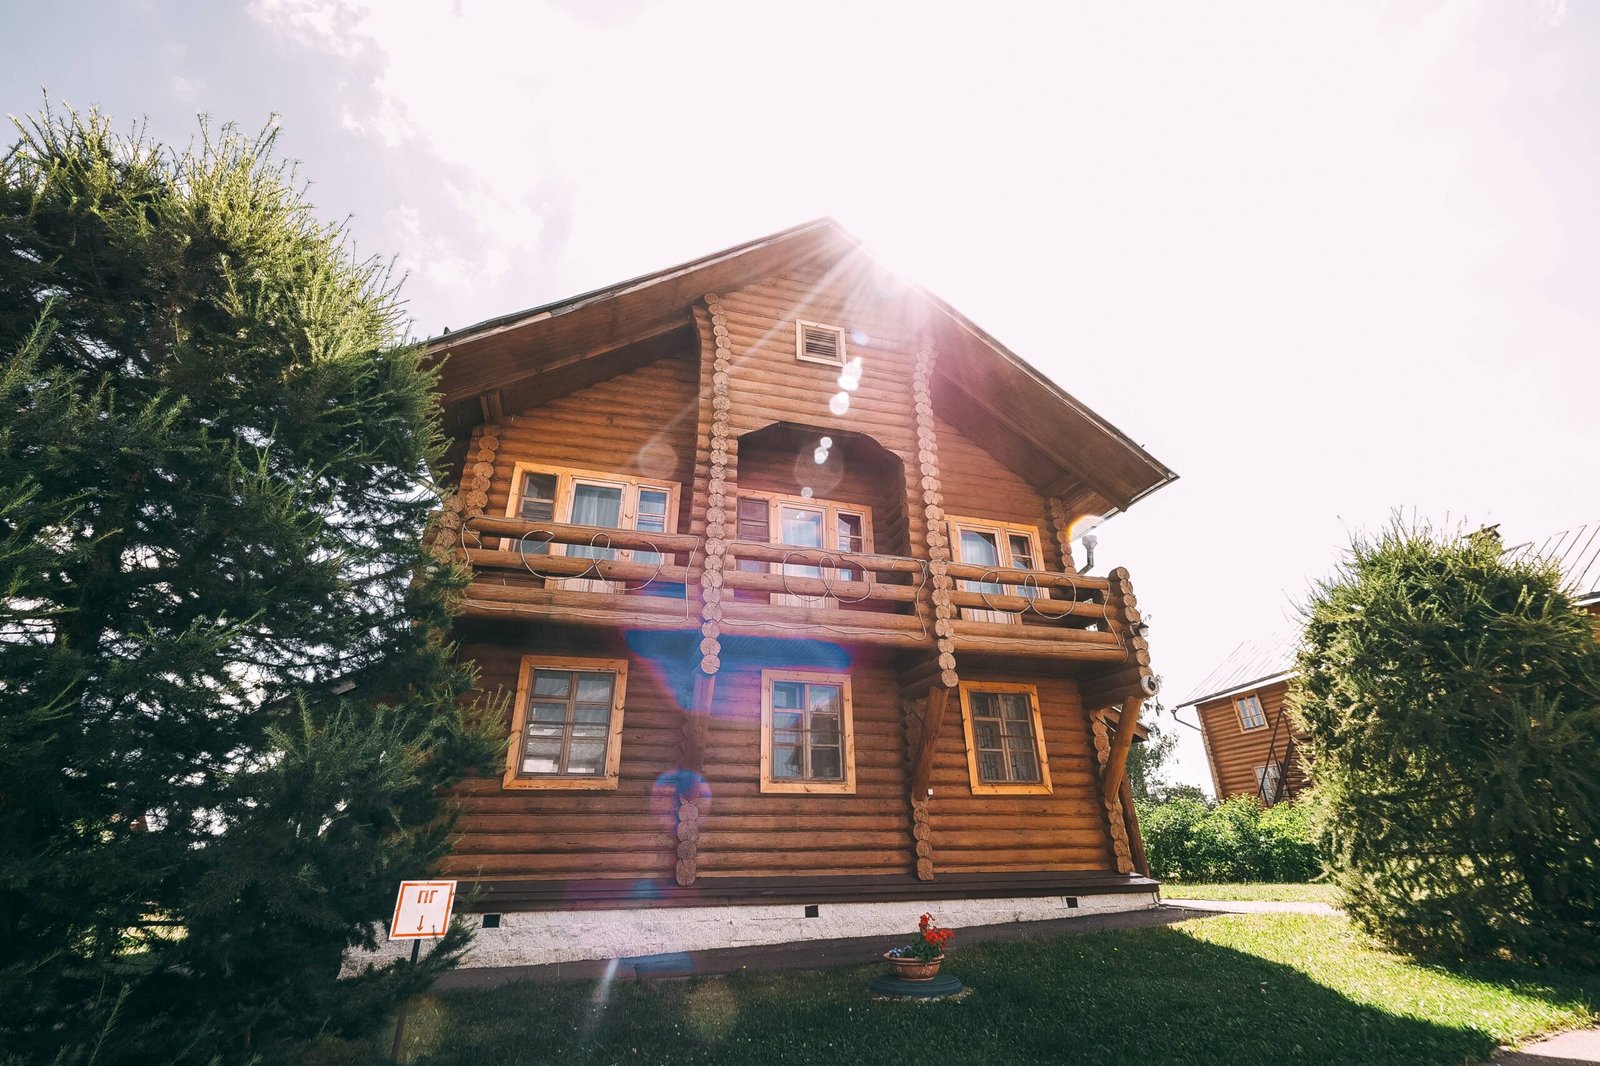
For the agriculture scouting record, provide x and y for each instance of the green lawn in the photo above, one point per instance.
(1236, 989)
(1318, 893)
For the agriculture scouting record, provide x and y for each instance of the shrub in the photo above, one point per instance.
(1189, 840)
(1452, 700)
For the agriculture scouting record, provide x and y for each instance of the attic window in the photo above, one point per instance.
(816, 343)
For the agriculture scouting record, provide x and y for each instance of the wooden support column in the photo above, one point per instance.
(944, 611)
(1116, 824)
(1117, 757)
(714, 327)
(1061, 529)
(1130, 822)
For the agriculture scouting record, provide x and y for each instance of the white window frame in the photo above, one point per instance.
(800, 327)
(1002, 533)
(1248, 722)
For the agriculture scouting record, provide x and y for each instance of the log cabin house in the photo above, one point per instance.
(772, 553)
(1252, 745)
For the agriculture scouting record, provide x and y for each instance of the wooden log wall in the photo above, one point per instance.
(743, 832)
(977, 485)
(641, 423)
(1062, 830)
(553, 834)
(1236, 751)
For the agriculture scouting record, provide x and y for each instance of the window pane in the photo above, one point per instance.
(787, 694)
(979, 549)
(983, 705)
(652, 518)
(991, 766)
(652, 502)
(753, 520)
(825, 729)
(555, 713)
(1024, 766)
(540, 756)
(592, 713)
(788, 720)
(825, 764)
(538, 497)
(786, 737)
(595, 505)
(986, 733)
(825, 698)
(851, 537)
(595, 688)
(1022, 552)
(786, 762)
(551, 682)
(1014, 706)
(586, 756)
(589, 730)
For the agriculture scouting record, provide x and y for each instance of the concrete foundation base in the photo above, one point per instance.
(533, 938)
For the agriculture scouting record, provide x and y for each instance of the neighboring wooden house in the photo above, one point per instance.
(1251, 745)
(772, 553)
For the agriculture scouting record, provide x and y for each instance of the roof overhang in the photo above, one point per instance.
(1048, 436)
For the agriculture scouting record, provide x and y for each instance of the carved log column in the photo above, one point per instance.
(1061, 529)
(718, 452)
(944, 611)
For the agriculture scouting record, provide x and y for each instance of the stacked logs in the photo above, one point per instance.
(1113, 802)
(476, 473)
(1061, 528)
(944, 610)
(717, 499)
(1134, 678)
(917, 737)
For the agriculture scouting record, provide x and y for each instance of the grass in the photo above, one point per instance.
(1235, 989)
(1318, 893)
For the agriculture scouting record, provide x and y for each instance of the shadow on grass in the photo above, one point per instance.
(1145, 995)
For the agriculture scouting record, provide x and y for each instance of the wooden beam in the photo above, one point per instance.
(1130, 820)
(691, 765)
(927, 742)
(493, 407)
(1117, 761)
(504, 376)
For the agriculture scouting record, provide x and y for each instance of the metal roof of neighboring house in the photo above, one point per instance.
(1252, 663)
(1577, 552)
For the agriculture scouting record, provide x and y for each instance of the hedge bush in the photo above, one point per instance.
(1191, 840)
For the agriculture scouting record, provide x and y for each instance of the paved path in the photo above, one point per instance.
(1253, 906)
(1563, 1049)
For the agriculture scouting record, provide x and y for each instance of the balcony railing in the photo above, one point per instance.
(652, 580)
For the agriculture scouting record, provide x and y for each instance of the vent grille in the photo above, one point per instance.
(821, 344)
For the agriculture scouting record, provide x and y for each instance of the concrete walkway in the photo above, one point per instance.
(1563, 1049)
(1253, 906)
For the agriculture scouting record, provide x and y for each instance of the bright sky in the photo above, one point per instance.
(1323, 260)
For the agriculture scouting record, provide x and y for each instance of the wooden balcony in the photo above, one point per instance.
(776, 591)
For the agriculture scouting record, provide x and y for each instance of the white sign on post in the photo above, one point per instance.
(423, 910)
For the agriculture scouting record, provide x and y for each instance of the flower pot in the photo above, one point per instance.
(914, 969)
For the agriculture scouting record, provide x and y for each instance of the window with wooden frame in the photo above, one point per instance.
(566, 725)
(591, 498)
(1005, 739)
(798, 522)
(817, 343)
(1001, 547)
(1251, 714)
(807, 732)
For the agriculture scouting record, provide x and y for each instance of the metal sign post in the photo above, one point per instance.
(421, 912)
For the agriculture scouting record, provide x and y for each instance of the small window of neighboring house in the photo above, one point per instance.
(816, 343)
(999, 547)
(1251, 714)
(1005, 739)
(566, 726)
(796, 522)
(579, 497)
(807, 732)
(1269, 779)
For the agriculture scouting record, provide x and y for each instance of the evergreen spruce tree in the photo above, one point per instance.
(227, 703)
(1452, 699)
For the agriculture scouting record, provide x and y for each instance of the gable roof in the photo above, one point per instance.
(585, 338)
(1252, 664)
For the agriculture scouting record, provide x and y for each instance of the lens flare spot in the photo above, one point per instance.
(840, 404)
(820, 456)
